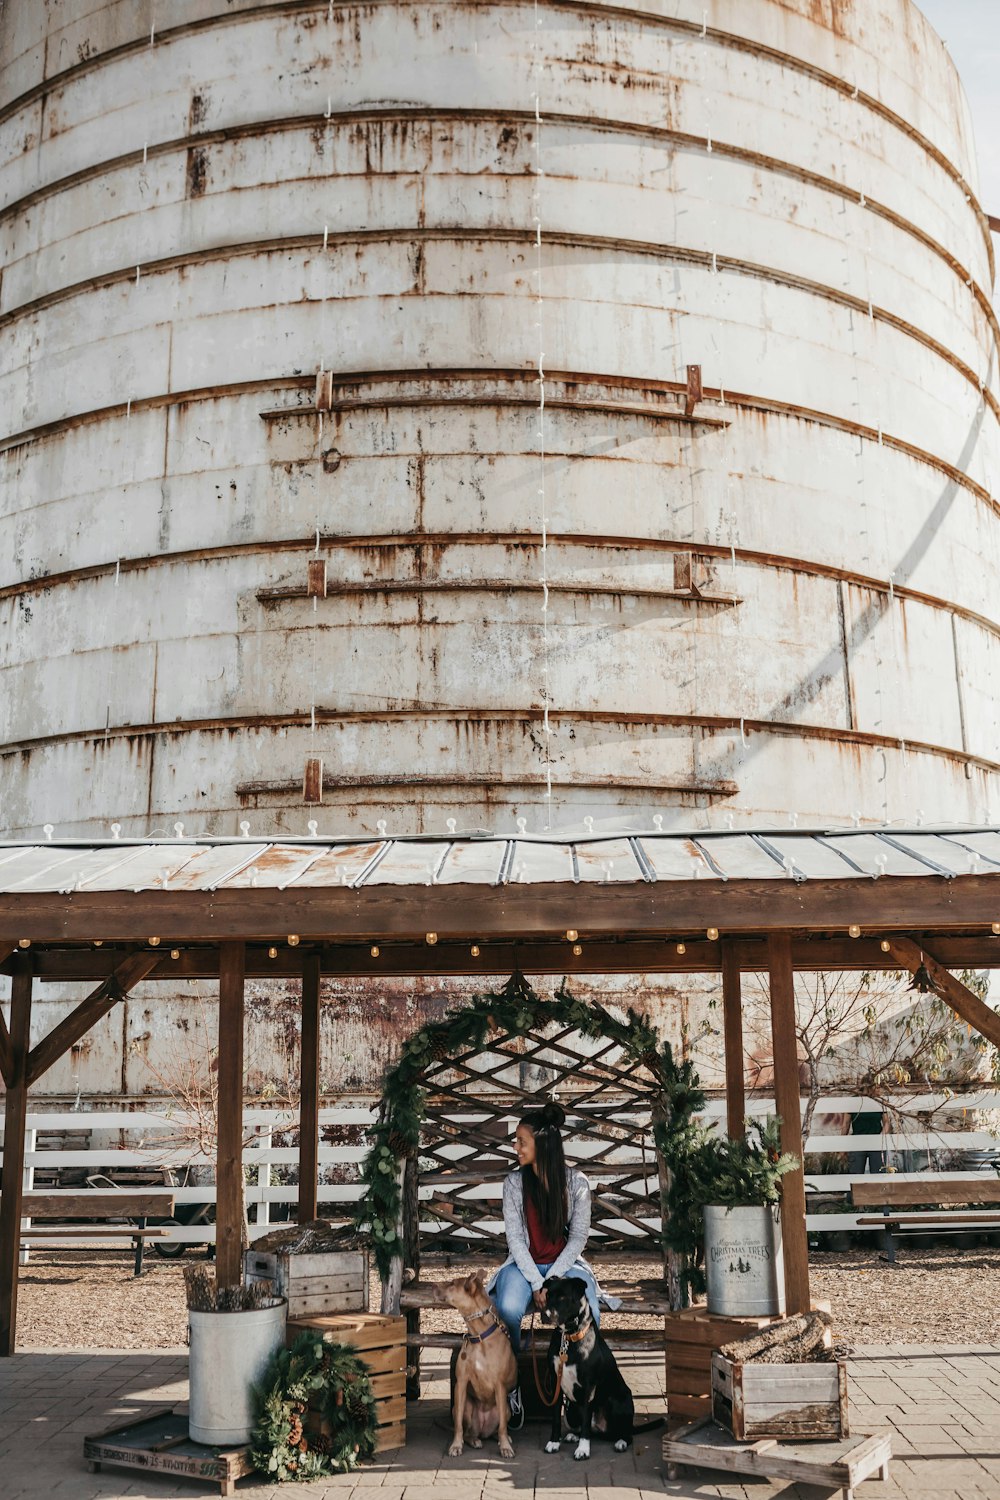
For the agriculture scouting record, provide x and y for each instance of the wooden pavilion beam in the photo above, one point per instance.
(605, 956)
(229, 1141)
(795, 1240)
(79, 1021)
(15, 1116)
(309, 1092)
(732, 1017)
(910, 955)
(479, 912)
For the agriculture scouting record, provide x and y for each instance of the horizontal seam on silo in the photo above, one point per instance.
(710, 722)
(680, 138)
(739, 399)
(584, 7)
(724, 787)
(779, 562)
(617, 245)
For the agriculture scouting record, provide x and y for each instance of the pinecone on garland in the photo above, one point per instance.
(295, 1432)
(440, 1048)
(397, 1143)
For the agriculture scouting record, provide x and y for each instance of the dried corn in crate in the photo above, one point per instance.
(380, 1343)
(325, 1282)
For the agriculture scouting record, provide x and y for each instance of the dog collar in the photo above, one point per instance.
(479, 1338)
(574, 1338)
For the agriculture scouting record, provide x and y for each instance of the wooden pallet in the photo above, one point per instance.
(160, 1444)
(380, 1342)
(837, 1466)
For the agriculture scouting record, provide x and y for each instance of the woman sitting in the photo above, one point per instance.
(546, 1218)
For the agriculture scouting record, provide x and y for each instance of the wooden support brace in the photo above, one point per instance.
(15, 1117)
(309, 1092)
(229, 1144)
(732, 1014)
(909, 955)
(795, 1240)
(79, 1021)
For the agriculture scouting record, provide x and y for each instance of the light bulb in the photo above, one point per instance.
(272, 952)
(474, 950)
(711, 933)
(682, 947)
(431, 938)
(24, 942)
(885, 945)
(577, 950)
(154, 942)
(854, 930)
(571, 934)
(98, 942)
(175, 953)
(375, 950)
(293, 940)
(996, 929)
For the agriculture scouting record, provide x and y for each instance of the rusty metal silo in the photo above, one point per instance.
(346, 415)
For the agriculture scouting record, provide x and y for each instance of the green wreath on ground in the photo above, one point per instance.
(316, 1412)
(516, 1010)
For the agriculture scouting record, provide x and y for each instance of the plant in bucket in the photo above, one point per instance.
(233, 1332)
(744, 1274)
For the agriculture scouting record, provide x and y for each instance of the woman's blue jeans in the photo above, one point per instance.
(511, 1296)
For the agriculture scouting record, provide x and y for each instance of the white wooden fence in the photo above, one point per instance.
(159, 1133)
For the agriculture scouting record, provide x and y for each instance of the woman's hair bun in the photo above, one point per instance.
(553, 1114)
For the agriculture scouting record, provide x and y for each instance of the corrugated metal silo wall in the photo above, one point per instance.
(785, 606)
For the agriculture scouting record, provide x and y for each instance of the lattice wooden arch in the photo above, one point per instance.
(453, 1186)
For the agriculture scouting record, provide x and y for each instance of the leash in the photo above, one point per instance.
(567, 1339)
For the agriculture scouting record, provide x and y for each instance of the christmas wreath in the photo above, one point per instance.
(315, 1412)
(515, 1010)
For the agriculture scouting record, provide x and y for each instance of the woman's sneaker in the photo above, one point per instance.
(516, 1420)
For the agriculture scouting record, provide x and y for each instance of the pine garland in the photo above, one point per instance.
(330, 1380)
(515, 1010)
(702, 1167)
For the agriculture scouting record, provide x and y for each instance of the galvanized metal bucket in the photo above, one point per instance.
(743, 1263)
(229, 1354)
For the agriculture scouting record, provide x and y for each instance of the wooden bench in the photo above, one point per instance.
(134, 1208)
(891, 1197)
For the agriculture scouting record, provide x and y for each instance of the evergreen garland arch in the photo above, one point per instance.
(512, 1012)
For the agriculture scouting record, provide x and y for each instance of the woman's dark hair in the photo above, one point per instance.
(545, 1182)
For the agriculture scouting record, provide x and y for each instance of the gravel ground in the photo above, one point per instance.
(89, 1299)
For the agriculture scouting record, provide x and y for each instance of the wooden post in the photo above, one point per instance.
(309, 1090)
(732, 1020)
(229, 1146)
(411, 1256)
(795, 1241)
(15, 1116)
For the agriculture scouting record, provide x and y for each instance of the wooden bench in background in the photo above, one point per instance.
(107, 1208)
(892, 1197)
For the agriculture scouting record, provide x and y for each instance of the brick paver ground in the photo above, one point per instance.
(942, 1404)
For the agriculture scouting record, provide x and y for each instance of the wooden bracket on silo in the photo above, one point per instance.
(324, 390)
(693, 393)
(312, 780)
(316, 578)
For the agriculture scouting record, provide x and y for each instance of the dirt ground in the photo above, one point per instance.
(89, 1299)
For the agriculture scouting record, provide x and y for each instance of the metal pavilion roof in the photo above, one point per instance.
(217, 864)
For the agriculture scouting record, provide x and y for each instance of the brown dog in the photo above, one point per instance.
(482, 1371)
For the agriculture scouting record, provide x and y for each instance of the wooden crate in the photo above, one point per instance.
(335, 1281)
(380, 1342)
(796, 1401)
(690, 1338)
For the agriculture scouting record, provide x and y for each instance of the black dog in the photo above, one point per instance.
(597, 1398)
